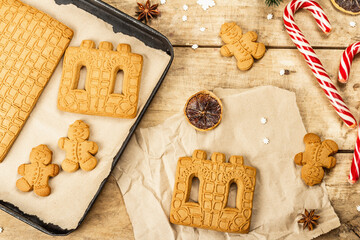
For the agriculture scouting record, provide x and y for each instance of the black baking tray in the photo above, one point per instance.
(123, 23)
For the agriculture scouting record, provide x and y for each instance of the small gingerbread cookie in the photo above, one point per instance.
(36, 174)
(316, 156)
(78, 150)
(243, 46)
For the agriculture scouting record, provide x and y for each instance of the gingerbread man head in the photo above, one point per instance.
(316, 156)
(79, 131)
(41, 154)
(230, 32)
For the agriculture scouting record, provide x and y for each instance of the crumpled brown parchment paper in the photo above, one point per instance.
(146, 171)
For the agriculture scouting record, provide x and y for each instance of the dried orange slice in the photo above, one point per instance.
(347, 6)
(203, 110)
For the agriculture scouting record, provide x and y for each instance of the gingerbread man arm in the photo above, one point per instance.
(21, 170)
(53, 170)
(226, 51)
(257, 50)
(61, 142)
(299, 159)
(93, 147)
(329, 147)
(250, 36)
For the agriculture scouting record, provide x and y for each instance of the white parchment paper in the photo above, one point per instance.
(146, 171)
(72, 192)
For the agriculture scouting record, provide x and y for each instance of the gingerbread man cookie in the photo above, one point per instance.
(36, 174)
(243, 46)
(316, 156)
(78, 150)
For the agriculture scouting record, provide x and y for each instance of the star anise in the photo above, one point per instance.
(309, 219)
(147, 11)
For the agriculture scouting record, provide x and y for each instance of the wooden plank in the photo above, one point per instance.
(204, 68)
(345, 198)
(250, 15)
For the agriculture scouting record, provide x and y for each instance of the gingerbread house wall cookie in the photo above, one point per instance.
(98, 97)
(31, 46)
(215, 177)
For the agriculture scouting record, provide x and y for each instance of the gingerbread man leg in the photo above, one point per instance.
(69, 166)
(89, 164)
(256, 49)
(329, 148)
(244, 60)
(312, 175)
(42, 191)
(23, 185)
(329, 162)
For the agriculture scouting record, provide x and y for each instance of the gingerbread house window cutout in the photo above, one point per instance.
(215, 177)
(102, 66)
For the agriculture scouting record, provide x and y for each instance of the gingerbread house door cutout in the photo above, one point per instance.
(194, 184)
(215, 177)
(82, 78)
(234, 196)
(102, 65)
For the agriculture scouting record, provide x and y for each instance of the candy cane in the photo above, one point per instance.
(344, 71)
(311, 58)
(346, 61)
(355, 165)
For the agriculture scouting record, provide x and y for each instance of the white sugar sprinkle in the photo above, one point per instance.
(185, 7)
(282, 72)
(270, 16)
(352, 24)
(266, 141)
(195, 46)
(263, 120)
(184, 18)
(202, 29)
(206, 4)
(162, 1)
(358, 208)
(1, 229)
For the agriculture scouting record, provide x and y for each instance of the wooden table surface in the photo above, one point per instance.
(204, 68)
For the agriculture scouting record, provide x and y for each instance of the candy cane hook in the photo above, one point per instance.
(344, 71)
(310, 56)
(346, 61)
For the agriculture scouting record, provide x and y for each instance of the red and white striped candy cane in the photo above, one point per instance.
(311, 58)
(344, 71)
(355, 165)
(346, 60)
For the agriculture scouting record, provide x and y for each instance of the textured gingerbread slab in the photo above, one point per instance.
(31, 45)
(102, 65)
(215, 177)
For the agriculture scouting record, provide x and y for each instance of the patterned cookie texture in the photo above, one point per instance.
(243, 46)
(215, 177)
(31, 46)
(79, 151)
(36, 174)
(102, 65)
(317, 154)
